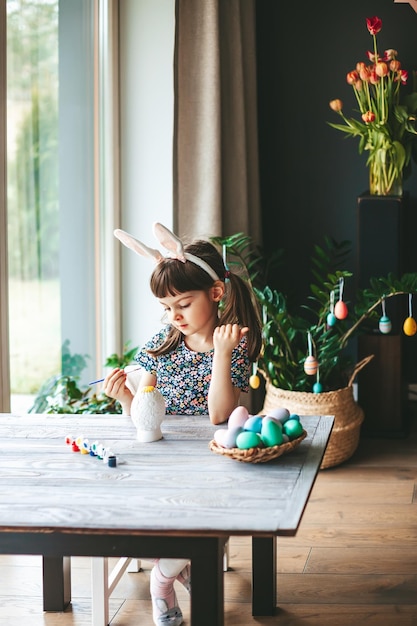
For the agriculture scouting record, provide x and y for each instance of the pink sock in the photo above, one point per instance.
(165, 607)
(184, 577)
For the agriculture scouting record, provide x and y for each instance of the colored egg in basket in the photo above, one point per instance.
(256, 434)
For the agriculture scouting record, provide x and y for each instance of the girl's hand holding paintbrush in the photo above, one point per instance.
(114, 386)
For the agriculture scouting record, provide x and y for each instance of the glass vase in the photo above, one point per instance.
(385, 178)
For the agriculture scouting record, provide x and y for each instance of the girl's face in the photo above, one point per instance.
(192, 311)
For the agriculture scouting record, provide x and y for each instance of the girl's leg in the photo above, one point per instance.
(184, 577)
(166, 611)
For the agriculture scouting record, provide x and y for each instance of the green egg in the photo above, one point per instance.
(248, 439)
(271, 433)
(293, 428)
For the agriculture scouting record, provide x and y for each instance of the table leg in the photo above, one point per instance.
(56, 583)
(207, 596)
(264, 576)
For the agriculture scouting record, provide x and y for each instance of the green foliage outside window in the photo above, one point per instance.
(32, 85)
(62, 394)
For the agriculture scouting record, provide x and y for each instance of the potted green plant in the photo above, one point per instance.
(324, 329)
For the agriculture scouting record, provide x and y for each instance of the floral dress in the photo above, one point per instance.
(184, 375)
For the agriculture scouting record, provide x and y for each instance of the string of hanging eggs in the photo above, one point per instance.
(339, 311)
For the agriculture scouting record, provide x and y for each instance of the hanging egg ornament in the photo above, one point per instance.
(410, 324)
(385, 325)
(331, 317)
(254, 380)
(317, 387)
(310, 365)
(340, 308)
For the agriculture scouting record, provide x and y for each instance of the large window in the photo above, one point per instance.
(32, 192)
(90, 126)
(50, 187)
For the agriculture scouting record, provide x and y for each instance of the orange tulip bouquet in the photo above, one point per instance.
(387, 125)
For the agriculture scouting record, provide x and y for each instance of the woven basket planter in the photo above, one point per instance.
(348, 416)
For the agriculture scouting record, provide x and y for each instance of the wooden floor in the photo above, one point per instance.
(353, 561)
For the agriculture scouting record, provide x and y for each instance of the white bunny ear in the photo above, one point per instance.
(137, 246)
(170, 241)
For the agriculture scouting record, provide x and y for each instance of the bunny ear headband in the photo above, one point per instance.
(170, 242)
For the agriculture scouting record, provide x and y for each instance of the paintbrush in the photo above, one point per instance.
(94, 382)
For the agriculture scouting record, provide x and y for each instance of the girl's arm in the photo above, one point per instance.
(115, 386)
(223, 397)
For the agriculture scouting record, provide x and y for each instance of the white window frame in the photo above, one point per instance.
(132, 172)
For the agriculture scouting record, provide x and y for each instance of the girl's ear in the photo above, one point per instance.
(217, 291)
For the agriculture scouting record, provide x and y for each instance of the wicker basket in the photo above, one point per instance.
(257, 455)
(348, 416)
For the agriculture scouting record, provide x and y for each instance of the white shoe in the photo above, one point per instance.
(170, 617)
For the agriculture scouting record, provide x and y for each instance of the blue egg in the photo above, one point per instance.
(253, 423)
(317, 387)
(331, 319)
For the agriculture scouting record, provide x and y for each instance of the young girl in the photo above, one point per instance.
(200, 361)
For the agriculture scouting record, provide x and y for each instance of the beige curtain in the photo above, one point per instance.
(216, 188)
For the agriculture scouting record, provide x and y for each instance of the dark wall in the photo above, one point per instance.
(311, 174)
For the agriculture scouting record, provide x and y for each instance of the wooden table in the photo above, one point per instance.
(171, 498)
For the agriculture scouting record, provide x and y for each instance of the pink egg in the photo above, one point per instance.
(238, 417)
(226, 437)
(340, 310)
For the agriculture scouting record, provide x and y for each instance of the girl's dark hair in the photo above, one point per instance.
(171, 277)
